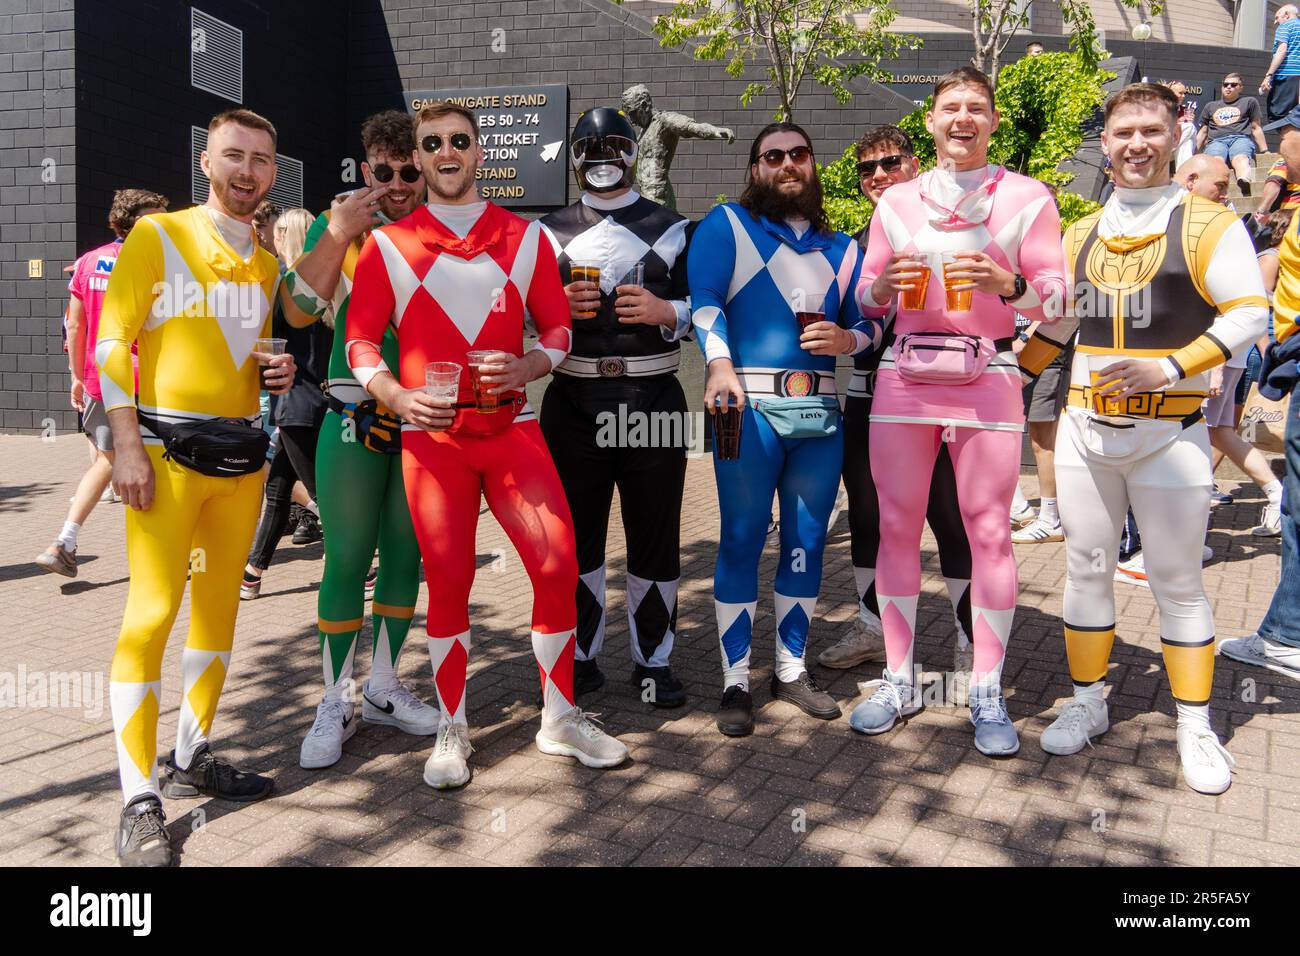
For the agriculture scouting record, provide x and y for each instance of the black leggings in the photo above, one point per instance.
(296, 460)
(943, 513)
(582, 421)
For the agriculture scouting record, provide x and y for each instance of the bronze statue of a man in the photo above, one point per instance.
(660, 131)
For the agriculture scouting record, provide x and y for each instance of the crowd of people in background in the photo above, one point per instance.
(386, 344)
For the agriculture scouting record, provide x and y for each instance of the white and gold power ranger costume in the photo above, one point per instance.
(1157, 273)
(196, 306)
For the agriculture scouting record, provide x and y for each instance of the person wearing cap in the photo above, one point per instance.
(1275, 644)
(622, 368)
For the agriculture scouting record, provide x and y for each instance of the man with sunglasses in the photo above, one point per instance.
(453, 278)
(772, 289)
(622, 368)
(360, 490)
(1230, 130)
(885, 158)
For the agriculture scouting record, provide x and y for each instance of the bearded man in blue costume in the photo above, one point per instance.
(754, 267)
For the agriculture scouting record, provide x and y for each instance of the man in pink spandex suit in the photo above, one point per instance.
(1002, 234)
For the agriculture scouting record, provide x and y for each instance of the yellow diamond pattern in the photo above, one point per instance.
(204, 694)
(140, 734)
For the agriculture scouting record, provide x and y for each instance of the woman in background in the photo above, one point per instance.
(297, 415)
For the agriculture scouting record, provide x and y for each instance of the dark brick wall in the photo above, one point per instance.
(134, 111)
(113, 79)
(36, 216)
(597, 49)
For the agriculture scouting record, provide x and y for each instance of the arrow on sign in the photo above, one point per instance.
(550, 151)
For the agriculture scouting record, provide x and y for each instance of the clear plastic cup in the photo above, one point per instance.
(442, 380)
(483, 401)
(814, 309)
(265, 350)
(912, 298)
(957, 300)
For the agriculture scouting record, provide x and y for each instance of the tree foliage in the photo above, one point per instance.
(1044, 102)
(793, 40)
(995, 22)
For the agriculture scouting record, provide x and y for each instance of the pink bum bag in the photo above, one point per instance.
(940, 358)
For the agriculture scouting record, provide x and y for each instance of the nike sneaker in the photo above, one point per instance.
(399, 708)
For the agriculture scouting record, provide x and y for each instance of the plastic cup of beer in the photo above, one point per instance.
(442, 380)
(912, 298)
(585, 271)
(265, 350)
(814, 309)
(1102, 404)
(957, 300)
(484, 401)
(727, 420)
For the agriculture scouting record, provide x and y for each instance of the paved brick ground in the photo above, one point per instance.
(798, 792)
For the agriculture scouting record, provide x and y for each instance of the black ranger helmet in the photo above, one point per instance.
(603, 150)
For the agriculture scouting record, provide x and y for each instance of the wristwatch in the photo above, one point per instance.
(1021, 286)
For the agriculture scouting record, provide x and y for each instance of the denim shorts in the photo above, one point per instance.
(1228, 148)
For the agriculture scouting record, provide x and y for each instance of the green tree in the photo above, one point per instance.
(793, 39)
(995, 22)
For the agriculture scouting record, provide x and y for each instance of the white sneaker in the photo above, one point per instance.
(448, 765)
(1207, 766)
(1079, 721)
(399, 708)
(1270, 522)
(576, 735)
(1038, 531)
(864, 642)
(1207, 554)
(323, 745)
(1262, 652)
(963, 662)
(1024, 516)
(1132, 571)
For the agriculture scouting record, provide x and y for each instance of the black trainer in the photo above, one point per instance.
(736, 712)
(211, 777)
(804, 693)
(142, 838)
(587, 678)
(666, 691)
(308, 531)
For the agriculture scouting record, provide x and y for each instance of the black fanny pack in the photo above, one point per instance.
(219, 447)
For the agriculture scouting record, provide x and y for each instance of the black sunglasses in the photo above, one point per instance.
(384, 173)
(774, 158)
(890, 164)
(433, 142)
(1228, 86)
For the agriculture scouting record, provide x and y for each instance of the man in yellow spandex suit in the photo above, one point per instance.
(193, 289)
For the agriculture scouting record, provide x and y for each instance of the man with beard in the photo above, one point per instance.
(622, 368)
(1166, 288)
(358, 465)
(193, 289)
(970, 245)
(758, 269)
(454, 279)
(886, 158)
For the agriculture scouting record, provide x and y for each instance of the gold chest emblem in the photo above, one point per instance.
(1124, 273)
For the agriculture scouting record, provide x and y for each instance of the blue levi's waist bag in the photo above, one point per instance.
(813, 417)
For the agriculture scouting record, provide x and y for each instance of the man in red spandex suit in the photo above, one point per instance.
(457, 275)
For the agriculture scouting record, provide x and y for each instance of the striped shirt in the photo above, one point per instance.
(1289, 33)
